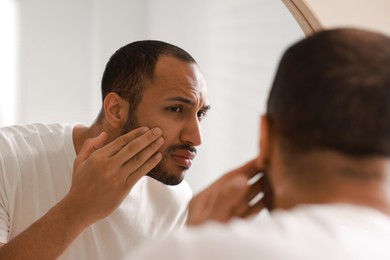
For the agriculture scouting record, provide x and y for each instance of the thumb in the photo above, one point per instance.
(89, 146)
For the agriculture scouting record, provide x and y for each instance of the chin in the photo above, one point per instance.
(165, 177)
(167, 173)
(170, 180)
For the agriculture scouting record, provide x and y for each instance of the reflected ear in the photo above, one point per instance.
(265, 143)
(115, 110)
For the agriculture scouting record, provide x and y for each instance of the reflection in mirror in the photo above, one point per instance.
(64, 45)
(8, 46)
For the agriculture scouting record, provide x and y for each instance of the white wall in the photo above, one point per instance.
(64, 45)
(237, 44)
(8, 54)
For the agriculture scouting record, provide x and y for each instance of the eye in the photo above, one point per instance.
(202, 114)
(175, 109)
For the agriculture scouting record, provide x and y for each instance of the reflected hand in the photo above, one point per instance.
(104, 174)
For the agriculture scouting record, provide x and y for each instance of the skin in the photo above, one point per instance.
(109, 163)
(228, 198)
(176, 101)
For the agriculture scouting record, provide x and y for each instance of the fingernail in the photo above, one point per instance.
(144, 130)
(159, 140)
(157, 156)
(157, 131)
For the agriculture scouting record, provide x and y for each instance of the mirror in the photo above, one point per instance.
(58, 49)
(315, 15)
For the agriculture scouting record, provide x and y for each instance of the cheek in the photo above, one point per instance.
(170, 135)
(152, 120)
(170, 139)
(170, 128)
(170, 131)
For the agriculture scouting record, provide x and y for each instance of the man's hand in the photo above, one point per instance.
(104, 175)
(228, 197)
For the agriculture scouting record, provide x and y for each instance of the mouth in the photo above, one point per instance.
(183, 158)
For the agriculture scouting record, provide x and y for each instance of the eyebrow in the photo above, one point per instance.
(187, 101)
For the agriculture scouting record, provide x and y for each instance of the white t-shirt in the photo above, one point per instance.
(36, 163)
(307, 232)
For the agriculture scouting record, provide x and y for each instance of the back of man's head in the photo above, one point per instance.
(332, 92)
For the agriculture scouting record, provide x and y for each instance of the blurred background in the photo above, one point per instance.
(53, 53)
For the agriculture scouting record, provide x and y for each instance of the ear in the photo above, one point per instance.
(265, 142)
(115, 110)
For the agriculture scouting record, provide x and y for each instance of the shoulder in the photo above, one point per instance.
(25, 131)
(19, 139)
(295, 234)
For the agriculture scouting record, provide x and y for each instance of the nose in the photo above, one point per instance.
(191, 132)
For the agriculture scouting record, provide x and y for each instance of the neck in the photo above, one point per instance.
(329, 177)
(82, 133)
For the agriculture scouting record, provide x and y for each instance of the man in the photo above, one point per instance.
(154, 99)
(325, 149)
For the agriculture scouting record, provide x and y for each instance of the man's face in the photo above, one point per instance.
(176, 101)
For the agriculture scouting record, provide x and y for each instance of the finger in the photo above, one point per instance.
(132, 150)
(255, 188)
(266, 201)
(246, 208)
(254, 209)
(227, 200)
(90, 146)
(120, 142)
(253, 196)
(249, 169)
(201, 205)
(137, 161)
(135, 176)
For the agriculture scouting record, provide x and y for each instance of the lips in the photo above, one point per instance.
(183, 158)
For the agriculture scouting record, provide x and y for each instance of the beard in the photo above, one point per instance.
(160, 172)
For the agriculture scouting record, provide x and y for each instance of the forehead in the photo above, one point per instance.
(176, 77)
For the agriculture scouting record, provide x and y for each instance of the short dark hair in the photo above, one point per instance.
(332, 91)
(132, 66)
